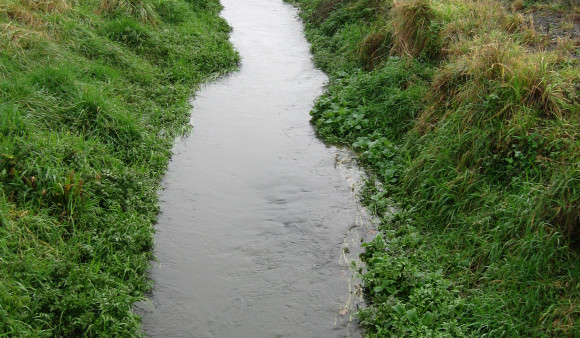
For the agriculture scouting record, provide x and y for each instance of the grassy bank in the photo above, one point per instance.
(467, 115)
(92, 96)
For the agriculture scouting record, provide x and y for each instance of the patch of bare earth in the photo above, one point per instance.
(558, 29)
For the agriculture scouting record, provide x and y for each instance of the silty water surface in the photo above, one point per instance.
(255, 211)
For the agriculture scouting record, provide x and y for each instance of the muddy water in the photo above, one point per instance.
(255, 210)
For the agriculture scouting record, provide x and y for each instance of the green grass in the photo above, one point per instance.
(470, 133)
(92, 96)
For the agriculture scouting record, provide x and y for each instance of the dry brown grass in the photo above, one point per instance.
(568, 46)
(498, 66)
(21, 22)
(466, 19)
(14, 37)
(515, 22)
(540, 86)
(47, 6)
(137, 8)
(18, 13)
(485, 53)
(411, 20)
(480, 60)
(517, 5)
(435, 25)
(24, 20)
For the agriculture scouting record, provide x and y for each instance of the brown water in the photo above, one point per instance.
(256, 211)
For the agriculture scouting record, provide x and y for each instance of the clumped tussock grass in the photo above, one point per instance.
(471, 132)
(48, 6)
(139, 9)
(92, 96)
(528, 79)
(411, 22)
(374, 47)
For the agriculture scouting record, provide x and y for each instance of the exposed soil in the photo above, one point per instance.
(559, 29)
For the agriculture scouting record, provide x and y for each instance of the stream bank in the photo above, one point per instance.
(469, 124)
(92, 96)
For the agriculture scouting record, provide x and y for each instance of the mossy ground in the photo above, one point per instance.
(469, 121)
(92, 96)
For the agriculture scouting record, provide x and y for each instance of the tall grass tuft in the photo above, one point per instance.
(139, 9)
(412, 28)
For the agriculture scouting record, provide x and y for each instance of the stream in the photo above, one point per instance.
(258, 216)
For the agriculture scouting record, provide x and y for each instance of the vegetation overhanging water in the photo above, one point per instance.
(467, 113)
(92, 96)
